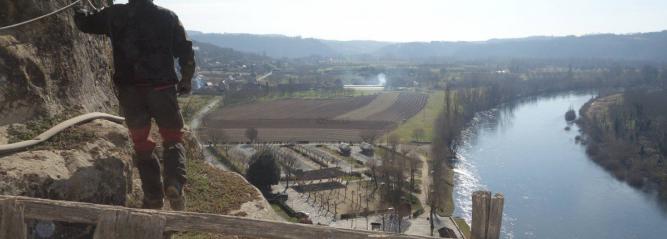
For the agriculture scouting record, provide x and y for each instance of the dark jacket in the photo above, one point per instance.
(145, 39)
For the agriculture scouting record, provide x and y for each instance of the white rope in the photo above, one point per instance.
(38, 18)
(93, 5)
(19, 146)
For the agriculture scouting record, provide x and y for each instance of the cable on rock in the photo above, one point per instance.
(40, 17)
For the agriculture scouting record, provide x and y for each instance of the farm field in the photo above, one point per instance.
(381, 103)
(313, 120)
(292, 109)
(424, 121)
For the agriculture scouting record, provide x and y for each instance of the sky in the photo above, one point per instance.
(420, 20)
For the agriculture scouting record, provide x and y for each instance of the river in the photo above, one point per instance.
(552, 189)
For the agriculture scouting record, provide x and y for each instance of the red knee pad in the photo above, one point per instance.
(172, 135)
(141, 141)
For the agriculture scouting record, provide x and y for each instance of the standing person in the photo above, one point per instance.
(146, 39)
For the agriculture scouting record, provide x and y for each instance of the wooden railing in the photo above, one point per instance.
(120, 222)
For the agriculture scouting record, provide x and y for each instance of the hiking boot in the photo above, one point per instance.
(176, 197)
(149, 203)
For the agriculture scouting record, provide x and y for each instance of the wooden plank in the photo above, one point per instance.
(12, 224)
(480, 214)
(131, 225)
(495, 216)
(77, 212)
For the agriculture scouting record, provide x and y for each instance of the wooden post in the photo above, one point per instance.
(12, 224)
(124, 224)
(487, 215)
(495, 216)
(480, 214)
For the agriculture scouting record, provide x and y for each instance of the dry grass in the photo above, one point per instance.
(425, 119)
(210, 190)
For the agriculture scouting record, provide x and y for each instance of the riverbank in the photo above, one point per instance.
(523, 151)
(625, 134)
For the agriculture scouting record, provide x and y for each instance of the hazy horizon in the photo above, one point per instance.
(490, 39)
(420, 20)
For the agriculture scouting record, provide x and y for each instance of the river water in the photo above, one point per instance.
(552, 190)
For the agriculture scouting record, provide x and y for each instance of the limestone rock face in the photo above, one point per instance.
(98, 170)
(48, 66)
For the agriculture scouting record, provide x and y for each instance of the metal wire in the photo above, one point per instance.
(40, 17)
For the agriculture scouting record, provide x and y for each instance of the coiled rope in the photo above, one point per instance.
(48, 15)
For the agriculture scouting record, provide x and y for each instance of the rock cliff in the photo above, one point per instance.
(48, 67)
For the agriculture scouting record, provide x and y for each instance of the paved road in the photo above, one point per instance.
(194, 125)
(262, 78)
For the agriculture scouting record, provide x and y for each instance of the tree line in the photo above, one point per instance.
(470, 92)
(628, 137)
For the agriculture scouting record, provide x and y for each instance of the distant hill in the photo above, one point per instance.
(355, 47)
(208, 53)
(276, 46)
(640, 47)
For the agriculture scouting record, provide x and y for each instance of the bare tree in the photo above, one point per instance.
(413, 161)
(369, 136)
(372, 166)
(251, 134)
(289, 163)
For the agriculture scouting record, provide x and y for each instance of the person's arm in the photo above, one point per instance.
(186, 57)
(93, 23)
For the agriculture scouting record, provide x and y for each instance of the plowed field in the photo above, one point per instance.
(330, 120)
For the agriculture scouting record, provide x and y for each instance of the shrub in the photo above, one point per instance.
(263, 170)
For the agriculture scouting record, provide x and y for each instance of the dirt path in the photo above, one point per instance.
(421, 225)
(263, 77)
(194, 126)
(426, 181)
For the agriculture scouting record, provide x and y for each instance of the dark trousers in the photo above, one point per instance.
(139, 105)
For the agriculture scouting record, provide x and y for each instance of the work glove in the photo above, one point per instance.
(80, 12)
(184, 87)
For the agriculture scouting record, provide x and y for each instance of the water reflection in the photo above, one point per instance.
(552, 189)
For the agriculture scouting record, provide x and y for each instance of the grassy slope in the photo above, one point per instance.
(210, 190)
(425, 119)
